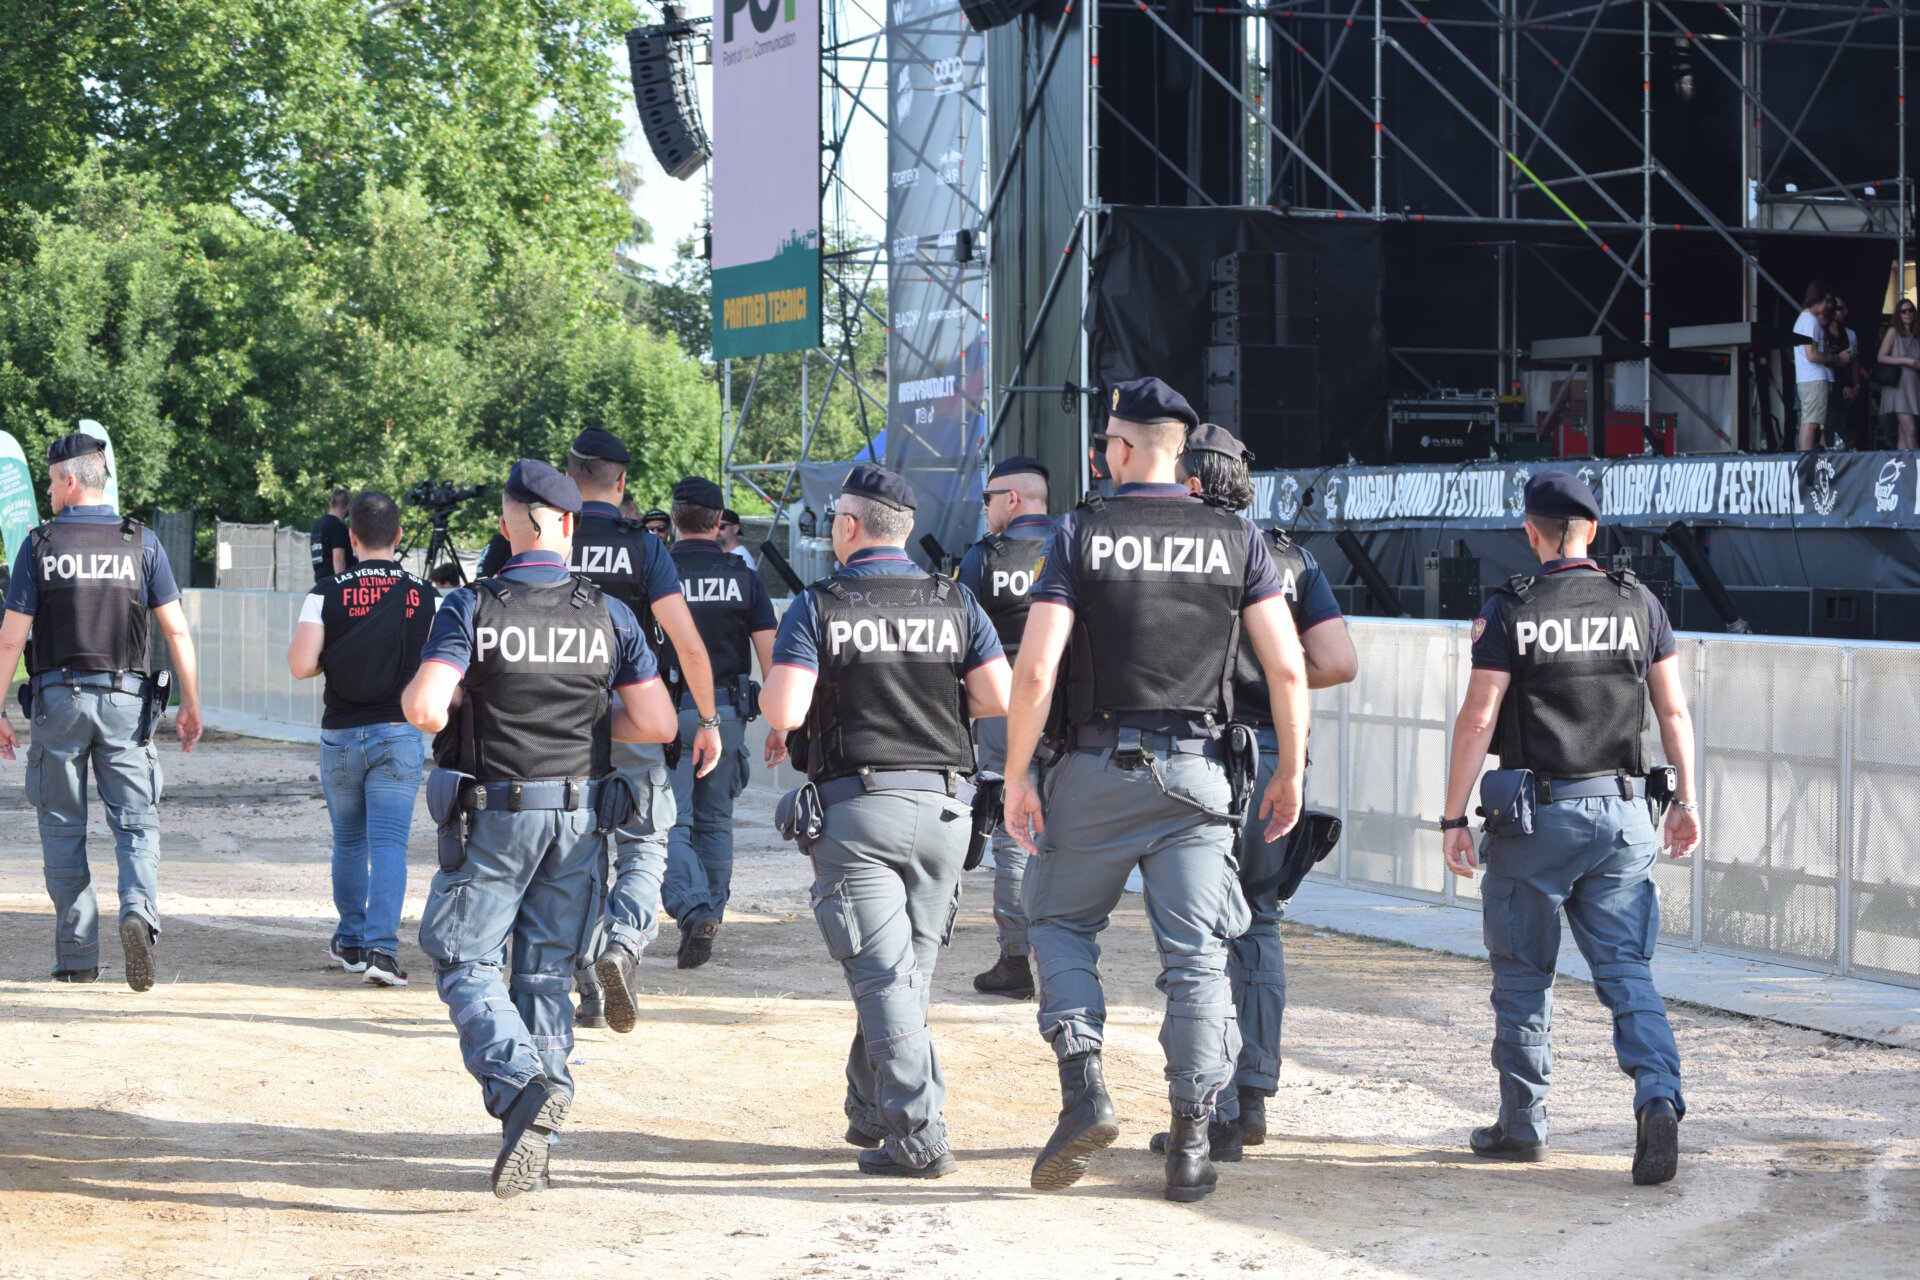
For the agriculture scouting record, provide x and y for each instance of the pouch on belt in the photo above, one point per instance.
(445, 788)
(1506, 802)
(800, 816)
(989, 801)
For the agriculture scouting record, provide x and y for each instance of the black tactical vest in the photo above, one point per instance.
(1008, 567)
(537, 700)
(1579, 643)
(92, 583)
(1252, 701)
(719, 591)
(892, 691)
(1157, 613)
(611, 553)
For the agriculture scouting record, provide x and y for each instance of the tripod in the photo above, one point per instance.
(440, 546)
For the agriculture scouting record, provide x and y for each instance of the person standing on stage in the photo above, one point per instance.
(85, 585)
(1000, 570)
(1814, 365)
(365, 628)
(1564, 661)
(734, 615)
(1900, 348)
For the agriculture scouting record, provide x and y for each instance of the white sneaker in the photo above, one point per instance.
(384, 970)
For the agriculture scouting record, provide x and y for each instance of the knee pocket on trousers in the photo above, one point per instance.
(36, 764)
(1496, 915)
(833, 912)
(444, 919)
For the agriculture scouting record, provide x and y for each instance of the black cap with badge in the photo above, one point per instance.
(1147, 400)
(1018, 465)
(537, 484)
(1561, 495)
(885, 487)
(596, 443)
(700, 492)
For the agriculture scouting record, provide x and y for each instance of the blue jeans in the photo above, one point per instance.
(370, 776)
(76, 728)
(532, 879)
(1594, 858)
(700, 847)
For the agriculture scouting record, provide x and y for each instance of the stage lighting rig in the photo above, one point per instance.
(661, 59)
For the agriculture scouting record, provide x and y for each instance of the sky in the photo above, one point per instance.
(676, 208)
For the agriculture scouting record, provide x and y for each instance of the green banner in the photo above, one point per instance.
(763, 307)
(19, 508)
(89, 427)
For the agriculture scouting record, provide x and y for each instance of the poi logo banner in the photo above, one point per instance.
(19, 507)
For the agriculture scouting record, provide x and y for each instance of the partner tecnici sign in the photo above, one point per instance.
(766, 176)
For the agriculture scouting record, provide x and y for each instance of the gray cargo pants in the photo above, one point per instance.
(632, 914)
(1102, 821)
(1009, 859)
(75, 727)
(886, 889)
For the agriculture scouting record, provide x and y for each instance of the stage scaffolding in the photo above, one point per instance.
(1512, 126)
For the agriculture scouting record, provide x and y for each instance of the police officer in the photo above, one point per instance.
(735, 618)
(879, 667)
(999, 570)
(1563, 663)
(1215, 468)
(1152, 589)
(541, 670)
(86, 584)
(632, 565)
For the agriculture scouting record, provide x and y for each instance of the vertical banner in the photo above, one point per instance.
(936, 276)
(91, 428)
(766, 176)
(19, 508)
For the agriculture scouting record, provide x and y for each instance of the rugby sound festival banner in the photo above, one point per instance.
(1823, 491)
(766, 176)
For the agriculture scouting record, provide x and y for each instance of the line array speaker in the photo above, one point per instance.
(1269, 396)
(662, 62)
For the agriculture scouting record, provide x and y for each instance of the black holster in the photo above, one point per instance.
(672, 752)
(25, 698)
(446, 805)
(616, 804)
(1663, 784)
(1243, 768)
(1313, 837)
(153, 705)
(800, 817)
(989, 803)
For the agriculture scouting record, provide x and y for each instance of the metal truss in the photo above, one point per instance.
(1606, 204)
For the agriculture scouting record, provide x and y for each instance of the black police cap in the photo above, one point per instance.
(595, 443)
(67, 448)
(1150, 400)
(1019, 465)
(699, 491)
(1208, 438)
(1561, 495)
(885, 487)
(534, 482)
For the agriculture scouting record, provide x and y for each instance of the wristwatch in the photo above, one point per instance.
(1453, 824)
(710, 722)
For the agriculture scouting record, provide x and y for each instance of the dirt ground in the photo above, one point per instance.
(256, 1114)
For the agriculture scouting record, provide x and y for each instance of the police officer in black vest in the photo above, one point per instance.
(1563, 663)
(1000, 570)
(878, 669)
(86, 584)
(1153, 591)
(734, 614)
(1215, 468)
(542, 672)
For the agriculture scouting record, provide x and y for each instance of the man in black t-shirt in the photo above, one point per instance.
(365, 628)
(331, 547)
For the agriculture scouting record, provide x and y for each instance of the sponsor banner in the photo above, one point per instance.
(19, 506)
(1821, 491)
(766, 176)
(936, 322)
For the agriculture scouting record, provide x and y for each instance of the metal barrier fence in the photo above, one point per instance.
(1808, 766)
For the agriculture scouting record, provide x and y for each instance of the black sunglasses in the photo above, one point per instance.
(988, 495)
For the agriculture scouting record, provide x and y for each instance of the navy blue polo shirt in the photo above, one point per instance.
(1310, 598)
(798, 642)
(451, 640)
(973, 563)
(23, 594)
(1490, 629)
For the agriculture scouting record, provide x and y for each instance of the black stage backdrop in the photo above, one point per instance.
(1149, 307)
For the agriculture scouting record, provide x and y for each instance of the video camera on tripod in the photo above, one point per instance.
(440, 499)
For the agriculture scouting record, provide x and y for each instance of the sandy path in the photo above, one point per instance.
(256, 1114)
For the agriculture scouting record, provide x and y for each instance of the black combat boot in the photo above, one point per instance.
(1491, 1141)
(1190, 1174)
(526, 1131)
(136, 942)
(592, 1012)
(1223, 1142)
(696, 944)
(1086, 1124)
(1253, 1118)
(1656, 1155)
(615, 970)
(1010, 976)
